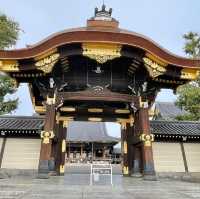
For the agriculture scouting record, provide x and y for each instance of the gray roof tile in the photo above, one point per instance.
(97, 132)
(168, 110)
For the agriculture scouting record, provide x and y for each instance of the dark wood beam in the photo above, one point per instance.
(92, 96)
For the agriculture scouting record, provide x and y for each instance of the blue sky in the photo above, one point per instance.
(163, 21)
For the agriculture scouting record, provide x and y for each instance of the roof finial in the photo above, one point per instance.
(103, 13)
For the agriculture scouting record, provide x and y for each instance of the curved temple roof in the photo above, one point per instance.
(97, 30)
(117, 36)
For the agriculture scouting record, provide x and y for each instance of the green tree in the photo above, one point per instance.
(189, 94)
(9, 33)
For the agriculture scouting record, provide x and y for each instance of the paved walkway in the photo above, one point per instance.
(76, 186)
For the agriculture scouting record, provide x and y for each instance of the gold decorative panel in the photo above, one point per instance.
(95, 119)
(9, 66)
(122, 111)
(190, 74)
(101, 52)
(155, 69)
(46, 64)
(95, 110)
(68, 109)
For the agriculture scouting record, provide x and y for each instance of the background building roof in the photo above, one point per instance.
(77, 131)
(168, 111)
(94, 131)
(175, 128)
(89, 132)
(21, 123)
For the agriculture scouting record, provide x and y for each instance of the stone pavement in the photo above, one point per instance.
(76, 186)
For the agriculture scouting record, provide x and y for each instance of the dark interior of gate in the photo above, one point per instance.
(99, 73)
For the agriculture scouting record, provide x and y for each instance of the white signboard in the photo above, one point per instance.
(98, 169)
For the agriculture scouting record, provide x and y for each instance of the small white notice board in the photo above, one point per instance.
(100, 169)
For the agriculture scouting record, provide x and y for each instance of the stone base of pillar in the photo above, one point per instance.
(150, 177)
(42, 176)
(137, 175)
(51, 164)
(43, 166)
(46, 168)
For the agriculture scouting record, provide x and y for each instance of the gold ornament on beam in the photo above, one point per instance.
(101, 52)
(123, 122)
(154, 68)
(189, 74)
(9, 66)
(46, 64)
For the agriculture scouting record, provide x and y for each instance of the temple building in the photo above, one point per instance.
(167, 111)
(88, 141)
(98, 73)
(176, 147)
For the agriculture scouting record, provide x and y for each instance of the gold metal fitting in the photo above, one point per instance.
(147, 139)
(46, 136)
(125, 147)
(125, 170)
(65, 124)
(143, 104)
(51, 100)
(62, 169)
(63, 146)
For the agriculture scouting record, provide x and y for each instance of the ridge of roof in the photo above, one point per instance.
(20, 117)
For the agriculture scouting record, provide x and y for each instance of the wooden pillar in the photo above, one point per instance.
(55, 146)
(137, 148)
(137, 160)
(81, 150)
(58, 146)
(93, 152)
(124, 148)
(2, 149)
(61, 147)
(130, 135)
(46, 161)
(146, 137)
(104, 152)
(69, 151)
(184, 157)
